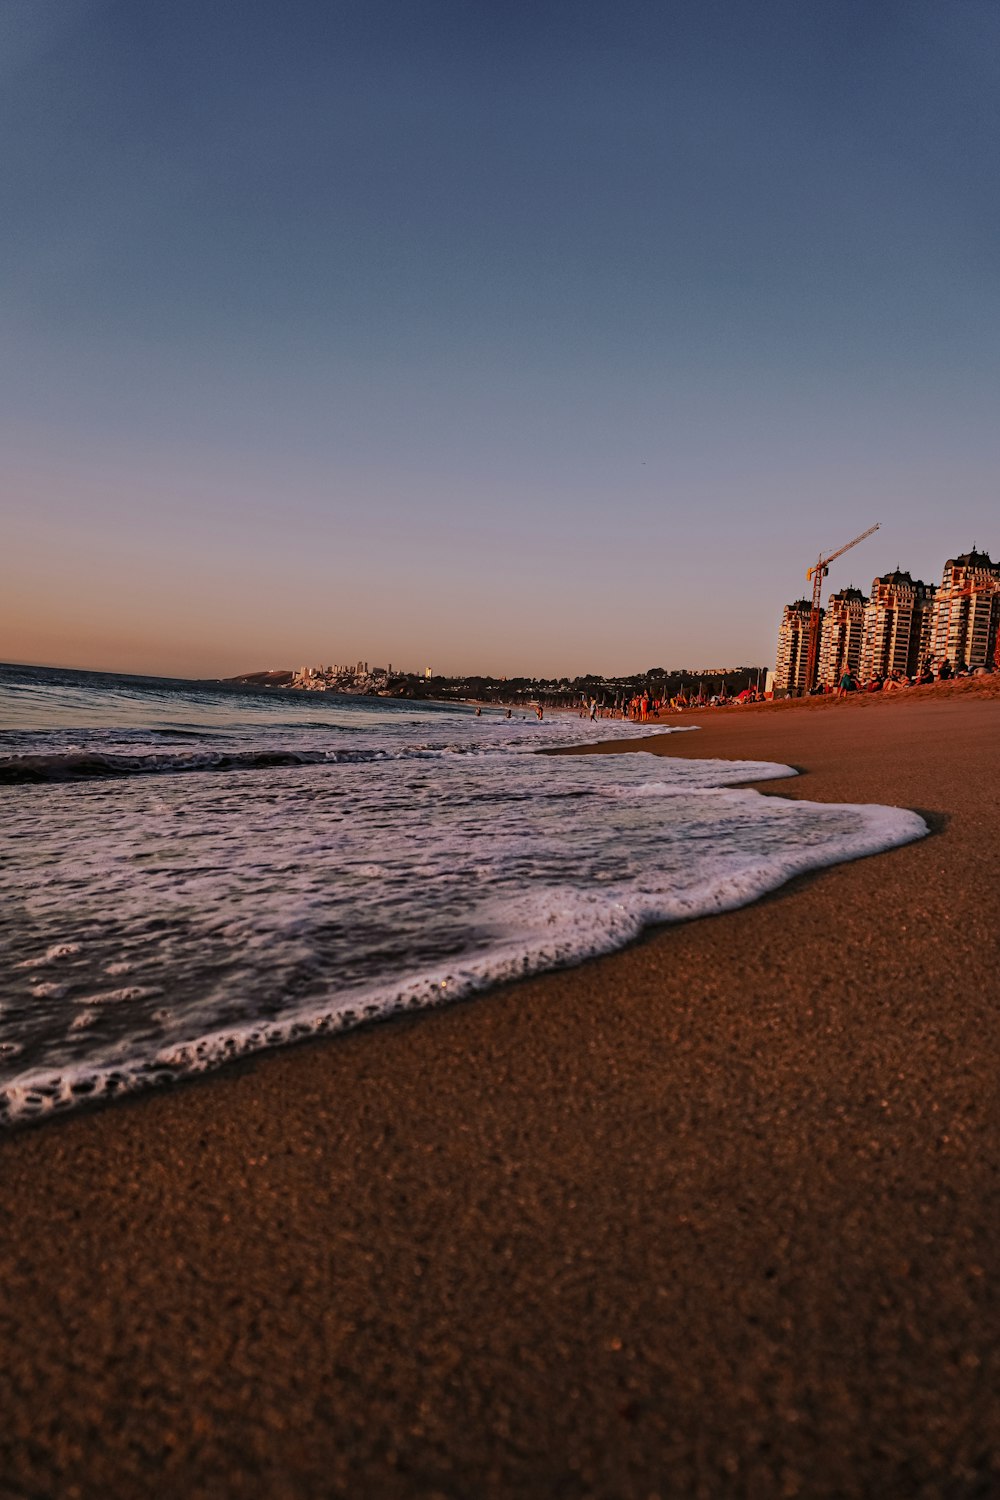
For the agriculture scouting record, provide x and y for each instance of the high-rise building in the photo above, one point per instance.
(967, 610)
(793, 649)
(843, 631)
(897, 625)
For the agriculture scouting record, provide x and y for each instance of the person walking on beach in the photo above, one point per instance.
(848, 684)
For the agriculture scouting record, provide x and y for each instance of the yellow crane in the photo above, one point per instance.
(817, 573)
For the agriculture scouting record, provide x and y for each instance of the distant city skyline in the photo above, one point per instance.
(553, 339)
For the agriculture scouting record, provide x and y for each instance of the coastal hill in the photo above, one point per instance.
(659, 682)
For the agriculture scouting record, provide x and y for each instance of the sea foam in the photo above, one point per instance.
(336, 884)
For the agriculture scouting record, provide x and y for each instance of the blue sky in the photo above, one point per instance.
(536, 337)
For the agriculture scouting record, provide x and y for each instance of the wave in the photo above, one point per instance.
(550, 927)
(183, 734)
(100, 761)
(93, 765)
(89, 765)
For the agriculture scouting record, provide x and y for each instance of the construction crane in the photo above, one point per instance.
(817, 573)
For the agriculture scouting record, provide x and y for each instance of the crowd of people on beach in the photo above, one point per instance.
(643, 707)
(894, 681)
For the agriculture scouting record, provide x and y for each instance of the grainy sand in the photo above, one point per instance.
(716, 1216)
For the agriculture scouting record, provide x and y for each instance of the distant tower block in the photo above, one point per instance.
(897, 625)
(793, 649)
(843, 631)
(967, 610)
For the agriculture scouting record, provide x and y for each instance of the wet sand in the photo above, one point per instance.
(716, 1216)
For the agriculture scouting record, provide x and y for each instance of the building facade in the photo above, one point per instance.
(843, 633)
(897, 625)
(793, 649)
(967, 611)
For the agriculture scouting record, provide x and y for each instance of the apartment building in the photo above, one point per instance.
(897, 625)
(843, 633)
(793, 649)
(967, 611)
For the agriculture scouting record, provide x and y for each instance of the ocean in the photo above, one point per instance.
(192, 872)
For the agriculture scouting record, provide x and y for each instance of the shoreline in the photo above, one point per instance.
(717, 1211)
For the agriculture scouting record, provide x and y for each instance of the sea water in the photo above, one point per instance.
(189, 873)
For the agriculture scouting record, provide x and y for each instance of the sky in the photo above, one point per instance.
(537, 337)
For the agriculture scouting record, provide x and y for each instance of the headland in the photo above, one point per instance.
(716, 1215)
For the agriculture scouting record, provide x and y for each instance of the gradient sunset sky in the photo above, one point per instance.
(514, 337)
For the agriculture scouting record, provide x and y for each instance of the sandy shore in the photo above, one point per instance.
(716, 1216)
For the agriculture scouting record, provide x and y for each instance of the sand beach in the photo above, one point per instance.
(718, 1215)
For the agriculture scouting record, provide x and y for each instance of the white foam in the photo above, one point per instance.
(404, 860)
(555, 862)
(50, 956)
(119, 996)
